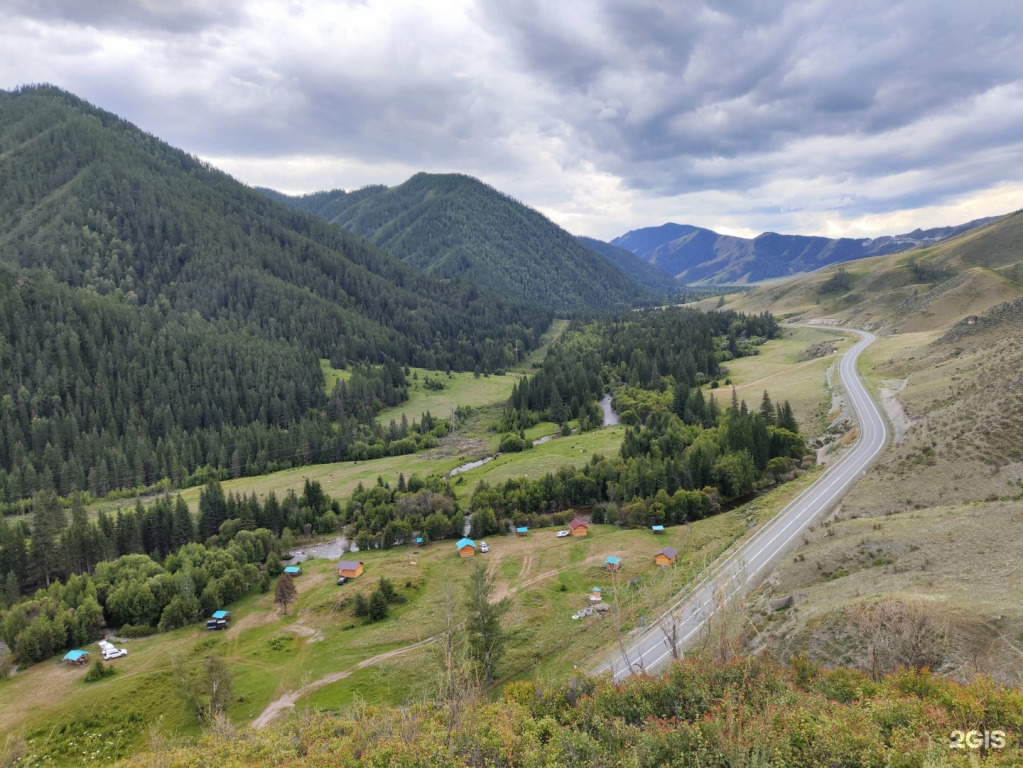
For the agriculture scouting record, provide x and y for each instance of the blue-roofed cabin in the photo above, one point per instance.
(613, 564)
(220, 615)
(596, 595)
(419, 541)
(657, 528)
(77, 657)
(293, 570)
(466, 548)
(521, 531)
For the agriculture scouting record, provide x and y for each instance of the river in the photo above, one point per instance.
(610, 417)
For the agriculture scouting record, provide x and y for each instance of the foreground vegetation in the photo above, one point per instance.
(746, 712)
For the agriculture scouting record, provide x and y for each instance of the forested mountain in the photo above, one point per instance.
(651, 277)
(453, 225)
(697, 255)
(156, 316)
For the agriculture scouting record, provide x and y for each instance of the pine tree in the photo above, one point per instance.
(787, 420)
(767, 408)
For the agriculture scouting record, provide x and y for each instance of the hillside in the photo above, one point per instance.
(158, 316)
(927, 530)
(450, 225)
(704, 712)
(701, 256)
(647, 275)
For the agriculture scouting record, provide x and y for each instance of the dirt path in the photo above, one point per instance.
(505, 591)
(527, 565)
(289, 699)
(889, 394)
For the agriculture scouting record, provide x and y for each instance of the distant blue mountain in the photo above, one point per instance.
(701, 256)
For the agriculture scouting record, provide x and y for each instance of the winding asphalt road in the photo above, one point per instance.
(652, 649)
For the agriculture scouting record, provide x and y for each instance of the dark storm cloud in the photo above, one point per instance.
(661, 86)
(591, 109)
(173, 16)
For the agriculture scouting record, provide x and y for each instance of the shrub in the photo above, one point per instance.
(97, 671)
(136, 630)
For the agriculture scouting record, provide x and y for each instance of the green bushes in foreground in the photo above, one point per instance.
(749, 712)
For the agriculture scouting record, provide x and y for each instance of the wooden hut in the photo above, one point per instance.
(293, 570)
(613, 563)
(78, 658)
(466, 548)
(657, 528)
(349, 568)
(596, 595)
(521, 530)
(578, 527)
(666, 556)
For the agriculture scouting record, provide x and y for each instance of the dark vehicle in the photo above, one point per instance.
(341, 580)
(214, 624)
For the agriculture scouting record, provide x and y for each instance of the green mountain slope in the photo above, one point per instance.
(452, 225)
(156, 316)
(649, 276)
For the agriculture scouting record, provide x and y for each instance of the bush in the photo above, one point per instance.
(136, 630)
(97, 671)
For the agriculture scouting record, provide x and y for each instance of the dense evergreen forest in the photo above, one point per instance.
(654, 279)
(157, 317)
(452, 225)
(683, 455)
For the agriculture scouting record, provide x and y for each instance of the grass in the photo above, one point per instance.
(781, 370)
(462, 388)
(331, 375)
(547, 579)
(270, 654)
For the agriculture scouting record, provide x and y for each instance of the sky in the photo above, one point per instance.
(851, 118)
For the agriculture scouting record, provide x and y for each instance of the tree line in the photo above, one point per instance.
(649, 349)
(158, 318)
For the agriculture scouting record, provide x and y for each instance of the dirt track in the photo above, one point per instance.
(289, 699)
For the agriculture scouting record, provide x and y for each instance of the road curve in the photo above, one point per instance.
(650, 650)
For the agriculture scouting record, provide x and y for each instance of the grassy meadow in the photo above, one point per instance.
(319, 656)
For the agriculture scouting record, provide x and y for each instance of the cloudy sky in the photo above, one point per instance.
(842, 117)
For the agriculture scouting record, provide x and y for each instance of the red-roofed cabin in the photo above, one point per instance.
(578, 527)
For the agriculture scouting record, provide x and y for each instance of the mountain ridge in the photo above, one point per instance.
(701, 256)
(452, 225)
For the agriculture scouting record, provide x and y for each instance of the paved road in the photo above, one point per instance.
(652, 649)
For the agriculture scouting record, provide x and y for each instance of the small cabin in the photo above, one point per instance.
(466, 548)
(578, 527)
(596, 595)
(666, 556)
(419, 541)
(613, 563)
(349, 568)
(293, 570)
(78, 658)
(521, 531)
(657, 528)
(221, 615)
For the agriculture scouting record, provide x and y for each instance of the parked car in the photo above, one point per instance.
(342, 580)
(484, 547)
(563, 534)
(114, 653)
